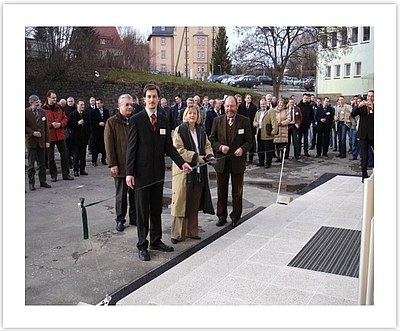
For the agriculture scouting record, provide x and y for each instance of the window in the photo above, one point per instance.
(347, 71)
(343, 35)
(328, 72)
(163, 68)
(163, 54)
(198, 68)
(366, 33)
(203, 55)
(334, 39)
(203, 41)
(337, 71)
(202, 68)
(187, 68)
(163, 41)
(357, 69)
(198, 55)
(198, 41)
(214, 29)
(163, 28)
(354, 35)
(102, 41)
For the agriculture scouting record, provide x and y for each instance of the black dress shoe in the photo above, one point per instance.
(221, 222)
(260, 164)
(84, 173)
(195, 237)
(45, 185)
(235, 223)
(120, 226)
(326, 155)
(68, 178)
(132, 222)
(53, 179)
(76, 174)
(32, 187)
(94, 164)
(104, 163)
(144, 255)
(174, 241)
(267, 166)
(162, 247)
(308, 155)
(318, 155)
(297, 157)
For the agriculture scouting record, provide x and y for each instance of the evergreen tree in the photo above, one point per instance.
(222, 60)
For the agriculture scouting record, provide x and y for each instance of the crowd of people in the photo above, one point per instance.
(227, 133)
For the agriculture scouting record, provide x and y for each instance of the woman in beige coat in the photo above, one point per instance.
(282, 137)
(190, 193)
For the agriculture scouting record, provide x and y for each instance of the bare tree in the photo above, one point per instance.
(135, 49)
(273, 47)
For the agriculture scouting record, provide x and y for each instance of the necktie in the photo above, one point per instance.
(154, 122)
(230, 121)
(35, 112)
(127, 120)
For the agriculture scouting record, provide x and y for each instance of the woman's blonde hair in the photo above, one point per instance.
(184, 118)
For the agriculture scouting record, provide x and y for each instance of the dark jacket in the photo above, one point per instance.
(366, 124)
(176, 115)
(211, 114)
(242, 137)
(80, 134)
(116, 134)
(327, 114)
(308, 114)
(146, 149)
(31, 125)
(250, 113)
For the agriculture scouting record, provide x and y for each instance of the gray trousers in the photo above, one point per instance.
(36, 155)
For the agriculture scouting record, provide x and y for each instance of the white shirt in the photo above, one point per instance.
(262, 113)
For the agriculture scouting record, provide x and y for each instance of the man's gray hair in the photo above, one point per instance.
(124, 96)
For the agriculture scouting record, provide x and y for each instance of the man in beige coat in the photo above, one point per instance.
(267, 126)
(342, 122)
(37, 139)
(116, 134)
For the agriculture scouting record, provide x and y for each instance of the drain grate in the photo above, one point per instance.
(331, 250)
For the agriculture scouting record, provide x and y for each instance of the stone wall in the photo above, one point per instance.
(110, 92)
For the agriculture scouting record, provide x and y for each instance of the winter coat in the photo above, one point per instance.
(182, 184)
(56, 114)
(283, 117)
(116, 134)
(270, 119)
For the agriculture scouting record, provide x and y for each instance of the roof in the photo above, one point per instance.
(110, 32)
(161, 31)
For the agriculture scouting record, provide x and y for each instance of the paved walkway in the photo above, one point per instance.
(248, 265)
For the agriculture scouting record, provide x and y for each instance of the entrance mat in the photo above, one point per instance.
(331, 250)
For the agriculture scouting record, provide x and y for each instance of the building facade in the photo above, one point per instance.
(350, 72)
(182, 51)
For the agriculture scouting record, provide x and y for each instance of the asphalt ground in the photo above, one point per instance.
(61, 268)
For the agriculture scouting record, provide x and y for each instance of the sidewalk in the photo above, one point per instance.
(248, 265)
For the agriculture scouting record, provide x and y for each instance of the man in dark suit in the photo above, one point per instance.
(231, 138)
(323, 122)
(149, 140)
(250, 110)
(176, 111)
(98, 119)
(88, 110)
(365, 134)
(211, 114)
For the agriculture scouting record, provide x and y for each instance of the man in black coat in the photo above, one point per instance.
(79, 123)
(365, 134)
(308, 116)
(98, 119)
(250, 113)
(149, 140)
(176, 111)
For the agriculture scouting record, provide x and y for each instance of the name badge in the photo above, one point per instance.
(241, 131)
(328, 113)
(342, 112)
(43, 118)
(371, 111)
(297, 113)
(163, 132)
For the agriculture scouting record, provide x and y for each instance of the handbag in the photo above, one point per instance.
(269, 129)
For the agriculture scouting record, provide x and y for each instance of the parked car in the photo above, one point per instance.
(220, 78)
(211, 78)
(265, 80)
(232, 80)
(309, 84)
(247, 81)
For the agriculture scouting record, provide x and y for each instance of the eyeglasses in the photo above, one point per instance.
(129, 104)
